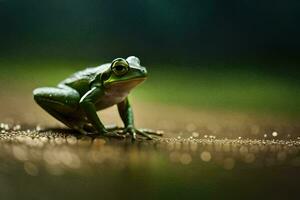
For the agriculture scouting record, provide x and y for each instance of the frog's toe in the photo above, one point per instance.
(144, 134)
(134, 132)
(114, 135)
(82, 131)
(152, 132)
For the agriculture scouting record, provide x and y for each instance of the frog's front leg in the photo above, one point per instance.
(126, 114)
(87, 103)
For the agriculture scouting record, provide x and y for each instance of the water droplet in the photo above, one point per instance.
(17, 127)
(195, 134)
(185, 158)
(205, 156)
(38, 128)
(274, 134)
(71, 140)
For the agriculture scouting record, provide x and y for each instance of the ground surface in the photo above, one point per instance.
(205, 153)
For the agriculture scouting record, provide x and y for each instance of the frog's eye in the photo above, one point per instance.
(120, 66)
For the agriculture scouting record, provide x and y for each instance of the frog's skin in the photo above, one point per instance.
(76, 100)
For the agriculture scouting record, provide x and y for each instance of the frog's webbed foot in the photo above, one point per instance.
(152, 132)
(118, 132)
(142, 132)
(110, 131)
(113, 135)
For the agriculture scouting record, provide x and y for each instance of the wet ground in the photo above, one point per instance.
(204, 154)
(38, 164)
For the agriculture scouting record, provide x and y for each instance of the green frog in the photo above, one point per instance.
(76, 100)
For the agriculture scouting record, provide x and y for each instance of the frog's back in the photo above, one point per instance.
(81, 80)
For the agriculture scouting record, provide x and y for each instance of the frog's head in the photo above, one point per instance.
(125, 73)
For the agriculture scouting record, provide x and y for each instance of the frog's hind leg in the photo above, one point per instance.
(62, 103)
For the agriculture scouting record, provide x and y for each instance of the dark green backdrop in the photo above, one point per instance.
(157, 30)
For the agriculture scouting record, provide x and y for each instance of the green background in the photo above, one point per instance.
(215, 55)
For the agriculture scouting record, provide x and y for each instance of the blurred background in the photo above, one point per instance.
(218, 70)
(177, 32)
(233, 55)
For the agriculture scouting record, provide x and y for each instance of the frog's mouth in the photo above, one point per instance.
(126, 83)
